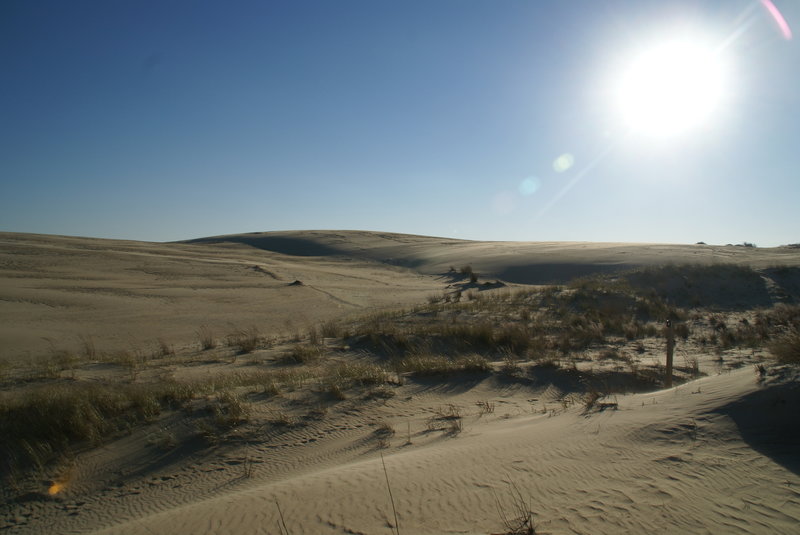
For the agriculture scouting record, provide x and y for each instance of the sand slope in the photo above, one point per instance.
(673, 461)
(715, 455)
(126, 294)
(517, 262)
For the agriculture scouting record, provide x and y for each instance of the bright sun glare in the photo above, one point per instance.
(670, 89)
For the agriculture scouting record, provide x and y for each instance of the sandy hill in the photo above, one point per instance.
(334, 382)
(60, 291)
(516, 262)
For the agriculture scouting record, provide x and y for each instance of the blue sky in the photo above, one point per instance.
(170, 120)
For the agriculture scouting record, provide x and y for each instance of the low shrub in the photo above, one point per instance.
(303, 353)
(439, 365)
(786, 348)
(245, 340)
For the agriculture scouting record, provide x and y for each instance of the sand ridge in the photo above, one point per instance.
(666, 458)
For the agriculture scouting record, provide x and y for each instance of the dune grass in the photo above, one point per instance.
(786, 348)
(48, 410)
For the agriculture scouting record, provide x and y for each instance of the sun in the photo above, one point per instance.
(671, 88)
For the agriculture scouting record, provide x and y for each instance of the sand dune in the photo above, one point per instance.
(517, 262)
(124, 294)
(665, 462)
(715, 454)
(127, 294)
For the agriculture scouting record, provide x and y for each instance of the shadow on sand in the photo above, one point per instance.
(767, 421)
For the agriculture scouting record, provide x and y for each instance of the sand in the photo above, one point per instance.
(713, 455)
(666, 462)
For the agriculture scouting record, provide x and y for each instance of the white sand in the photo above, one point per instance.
(675, 461)
(665, 462)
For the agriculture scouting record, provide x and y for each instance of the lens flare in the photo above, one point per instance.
(563, 162)
(529, 186)
(779, 20)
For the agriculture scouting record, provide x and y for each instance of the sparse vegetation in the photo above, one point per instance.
(594, 336)
(786, 348)
(426, 365)
(165, 349)
(303, 353)
(331, 329)
(447, 419)
(384, 430)
(206, 336)
(244, 340)
(485, 407)
(88, 347)
(516, 516)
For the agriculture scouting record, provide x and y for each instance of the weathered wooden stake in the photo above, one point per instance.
(670, 351)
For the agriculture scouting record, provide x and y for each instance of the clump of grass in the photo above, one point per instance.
(165, 349)
(314, 337)
(163, 439)
(88, 347)
(478, 335)
(384, 430)
(43, 423)
(206, 337)
(244, 340)
(359, 373)
(511, 366)
(282, 419)
(440, 365)
(331, 329)
(336, 388)
(516, 518)
(338, 379)
(435, 298)
(485, 407)
(59, 361)
(447, 419)
(682, 330)
(692, 365)
(133, 362)
(380, 392)
(271, 388)
(448, 412)
(786, 348)
(228, 409)
(303, 353)
(610, 354)
(590, 399)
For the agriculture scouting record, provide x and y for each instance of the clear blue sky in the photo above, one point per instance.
(166, 120)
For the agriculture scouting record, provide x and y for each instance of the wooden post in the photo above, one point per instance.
(670, 352)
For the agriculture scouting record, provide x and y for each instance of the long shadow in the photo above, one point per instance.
(607, 381)
(720, 286)
(450, 384)
(277, 244)
(557, 273)
(787, 280)
(308, 247)
(767, 420)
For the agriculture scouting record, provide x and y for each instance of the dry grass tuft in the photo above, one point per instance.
(245, 340)
(428, 365)
(786, 348)
(516, 516)
(206, 337)
(303, 354)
